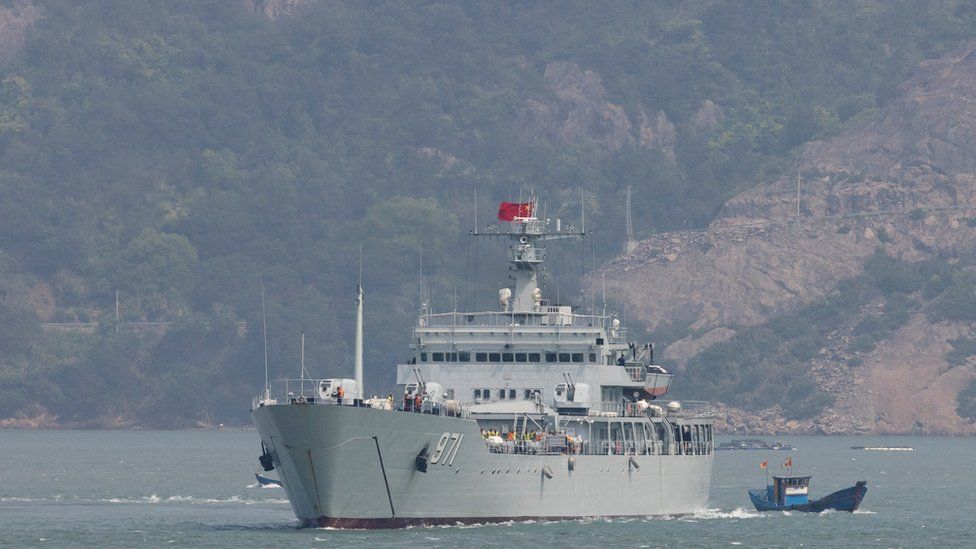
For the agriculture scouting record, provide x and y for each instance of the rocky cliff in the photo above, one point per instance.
(902, 183)
(15, 20)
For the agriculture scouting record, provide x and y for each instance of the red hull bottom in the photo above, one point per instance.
(387, 523)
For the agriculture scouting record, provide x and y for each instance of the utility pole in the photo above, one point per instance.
(796, 228)
(630, 244)
(798, 198)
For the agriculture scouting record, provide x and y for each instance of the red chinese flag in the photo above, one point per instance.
(764, 464)
(508, 211)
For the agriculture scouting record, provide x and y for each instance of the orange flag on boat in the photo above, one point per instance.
(789, 462)
(764, 464)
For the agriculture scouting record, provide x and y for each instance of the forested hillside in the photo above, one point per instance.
(181, 152)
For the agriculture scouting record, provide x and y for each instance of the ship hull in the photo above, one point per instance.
(357, 468)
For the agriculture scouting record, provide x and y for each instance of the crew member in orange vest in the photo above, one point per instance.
(340, 393)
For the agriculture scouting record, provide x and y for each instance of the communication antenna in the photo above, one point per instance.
(303, 375)
(420, 241)
(631, 244)
(592, 273)
(604, 294)
(582, 211)
(264, 327)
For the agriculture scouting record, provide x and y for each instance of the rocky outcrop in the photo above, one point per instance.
(917, 154)
(34, 417)
(15, 21)
(273, 9)
(912, 384)
(904, 183)
(578, 112)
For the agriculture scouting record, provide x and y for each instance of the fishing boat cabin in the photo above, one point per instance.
(789, 490)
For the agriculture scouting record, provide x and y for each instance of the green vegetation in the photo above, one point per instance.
(179, 152)
(967, 402)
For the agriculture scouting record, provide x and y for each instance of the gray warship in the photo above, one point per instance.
(528, 411)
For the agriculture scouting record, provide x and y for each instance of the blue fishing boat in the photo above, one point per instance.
(791, 493)
(266, 481)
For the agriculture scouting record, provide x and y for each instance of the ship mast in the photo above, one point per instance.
(526, 255)
(358, 351)
(358, 360)
(527, 259)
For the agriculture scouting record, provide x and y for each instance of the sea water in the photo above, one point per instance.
(197, 488)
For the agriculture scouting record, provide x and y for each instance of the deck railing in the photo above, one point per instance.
(296, 391)
(540, 318)
(559, 445)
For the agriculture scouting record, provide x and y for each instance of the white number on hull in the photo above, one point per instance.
(452, 439)
(454, 449)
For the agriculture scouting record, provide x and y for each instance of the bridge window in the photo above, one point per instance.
(501, 394)
(464, 357)
(477, 393)
(565, 357)
(534, 357)
(551, 357)
(508, 357)
(423, 357)
(494, 357)
(577, 357)
(486, 394)
(592, 357)
(438, 357)
(520, 357)
(511, 394)
(529, 394)
(481, 357)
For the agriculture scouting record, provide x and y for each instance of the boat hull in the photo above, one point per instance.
(357, 468)
(265, 481)
(848, 499)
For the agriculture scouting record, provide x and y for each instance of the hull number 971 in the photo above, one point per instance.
(447, 449)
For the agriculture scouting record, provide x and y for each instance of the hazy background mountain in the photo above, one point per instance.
(179, 152)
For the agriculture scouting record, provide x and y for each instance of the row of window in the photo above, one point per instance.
(506, 394)
(506, 357)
